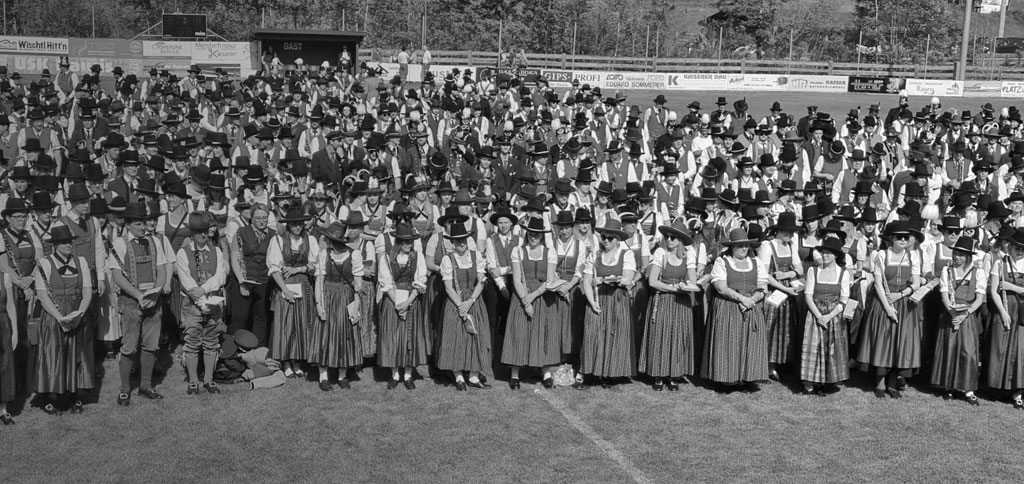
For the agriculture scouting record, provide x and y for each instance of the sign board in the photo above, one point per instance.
(876, 85)
(696, 82)
(934, 87)
(167, 48)
(223, 52)
(983, 88)
(801, 83)
(184, 25)
(557, 78)
(757, 82)
(633, 80)
(33, 45)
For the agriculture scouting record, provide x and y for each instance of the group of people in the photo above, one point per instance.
(323, 220)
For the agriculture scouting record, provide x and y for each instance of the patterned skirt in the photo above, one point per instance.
(669, 348)
(609, 349)
(886, 344)
(290, 334)
(60, 356)
(459, 350)
(532, 342)
(735, 344)
(368, 321)
(955, 361)
(825, 354)
(782, 331)
(402, 342)
(336, 342)
(1004, 348)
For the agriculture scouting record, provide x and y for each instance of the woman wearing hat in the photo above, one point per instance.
(608, 350)
(532, 335)
(465, 335)
(419, 203)
(291, 260)
(567, 302)
(824, 355)
(404, 339)
(736, 337)
(810, 236)
(745, 179)
(780, 256)
(668, 351)
(890, 336)
(173, 226)
(336, 342)
(64, 287)
(1004, 340)
(23, 250)
(963, 288)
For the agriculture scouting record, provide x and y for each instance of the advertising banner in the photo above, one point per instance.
(595, 79)
(105, 48)
(167, 49)
(934, 87)
(757, 82)
(222, 52)
(696, 82)
(1013, 89)
(33, 45)
(29, 64)
(633, 80)
(130, 66)
(557, 78)
(169, 63)
(983, 88)
(818, 83)
(876, 85)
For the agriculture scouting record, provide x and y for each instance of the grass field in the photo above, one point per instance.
(435, 434)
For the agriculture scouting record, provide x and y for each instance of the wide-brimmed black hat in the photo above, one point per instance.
(785, 223)
(61, 234)
(900, 227)
(503, 214)
(295, 215)
(335, 232)
(678, 229)
(404, 231)
(613, 228)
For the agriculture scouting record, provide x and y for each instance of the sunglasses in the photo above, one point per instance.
(902, 237)
(608, 237)
(671, 237)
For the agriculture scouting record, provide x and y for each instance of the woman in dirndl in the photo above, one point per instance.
(336, 342)
(8, 343)
(668, 351)
(403, 333)
(890, 335)
(291, 260)
(824, 355)
(608, 351)
(780, 255)
(64, 287)
(567, 303)
(438, 247)
(173, 225)
(532, 335)
(465, 345)
(963, 288)
(1004, 339)
(736, 338)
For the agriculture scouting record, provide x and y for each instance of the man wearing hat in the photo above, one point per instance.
(88, 243)
(202, 269)
(138, 267)
(126, 184)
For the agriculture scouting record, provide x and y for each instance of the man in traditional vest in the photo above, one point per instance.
(248, 246)
(88, 243)
(66, 80)
(138, 267)
(202, 269)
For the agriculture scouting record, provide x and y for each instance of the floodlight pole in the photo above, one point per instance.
(968, 5)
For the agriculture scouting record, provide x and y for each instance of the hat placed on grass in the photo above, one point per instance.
(245, 339)
(678, 229)
(61, 234)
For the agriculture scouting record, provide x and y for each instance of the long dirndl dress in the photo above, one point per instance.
(402, 342)
(885, 344)
(956, 357)
(532, 342)
(736, 341)
(932, 309)
(8, 381)
(783, 333)
(368, 300)
(669, 347)
(824, 355)
(176, 235)
(61, 355)
(609, 348)
(336, 341)
(567, 310)
(460, 349)
(290, 337)
(435, 298)
(1004, 348)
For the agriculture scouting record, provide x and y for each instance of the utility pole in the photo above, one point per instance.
(1002, 16)
(968, 5)
(423, 28)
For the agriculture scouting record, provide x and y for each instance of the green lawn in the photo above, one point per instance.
(628, 433)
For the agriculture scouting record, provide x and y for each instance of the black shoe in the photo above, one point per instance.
(807, 391)
(684, 380)
(658, 385)
(6, 419)
(750, 388)
(343, 384)
(409, 385)
(773, 375)
(211, 387)
(460, 386)
(513, 384)
(672, 386)
(605, 383)
(392, 384)
(193, 389)
(51, 410)
(821, 392)
(548, 382)
(77, 407)
(325, 386)
(972, 400)
(947, 396)
(481, 384)
(880, 393)
(151, 394)
(895, 394)
(901, 383)
(124, 399)
(578, 385)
